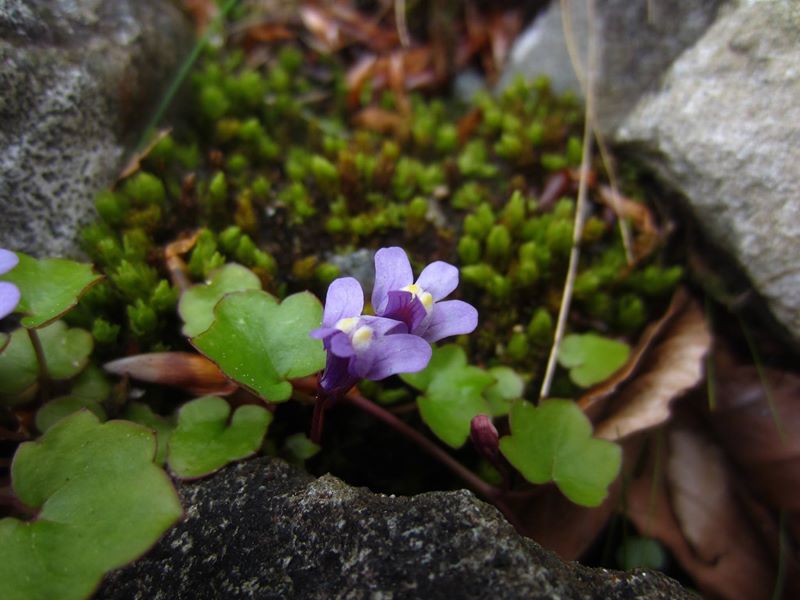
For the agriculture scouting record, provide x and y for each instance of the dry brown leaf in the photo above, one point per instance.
(187, 371)
(202, 12)
(761, 432)
(674, 366)
(383, 121)
(593, 401)
(328, 36)
(695, 512)
(561, 525)
(176, 266)
(135, 161)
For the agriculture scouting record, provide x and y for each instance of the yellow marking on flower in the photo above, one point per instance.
(347, 324)
(362, 338)
(424, 297)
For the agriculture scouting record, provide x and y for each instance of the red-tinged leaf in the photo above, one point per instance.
(757, 422)
(695, 511)
(674, 367)
(191, 372)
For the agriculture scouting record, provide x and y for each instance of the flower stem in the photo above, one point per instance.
(318, 418)
(44, 381)
(471, 479)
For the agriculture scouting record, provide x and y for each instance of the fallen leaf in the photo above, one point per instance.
(759, 429)
(593, 401)
(675, 366)
(135, 161)
(382, 121)
(694, 510)
(185, 370)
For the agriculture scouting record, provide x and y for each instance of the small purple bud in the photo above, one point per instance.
(484, 437)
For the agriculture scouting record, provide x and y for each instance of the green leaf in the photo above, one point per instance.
(453, 394)
(50, 287)
(300, 448)
(102, 503)
(66, 353)
(553, 442)
(591, 358)
(91, 385)
(4, 339)
(204, 441)
(260, 344)
(449, 356)
(161, 426)
(641, 553)
(58, 408)
(196, 305)
(508, 386)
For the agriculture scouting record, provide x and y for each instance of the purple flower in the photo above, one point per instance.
(363, 347)
(418, 303)
(9, 293)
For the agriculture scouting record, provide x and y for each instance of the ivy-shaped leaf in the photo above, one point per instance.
(260, 344)
(591, 358)
(204, 441)
(196, 306)
(161, 426)
(50, 287)
(63, 406)
(101, 504)
(553, 442)
(507, 388)
(453, 394)
(66, 353)
(91, 384)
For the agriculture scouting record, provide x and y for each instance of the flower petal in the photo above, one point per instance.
(336, 378)
(439, 279)
(392, 354)
(405, 307)
(383, 326)
(452, 317)
(392, 272)
(340, 345)
(344, 299)
(9, 298)
(321, 333)
(8, 260)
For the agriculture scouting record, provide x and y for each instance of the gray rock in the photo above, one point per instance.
(636, 43)
(262, 530)
(78, 78)
(724, 130)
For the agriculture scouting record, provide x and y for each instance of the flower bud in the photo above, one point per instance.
(484, 437)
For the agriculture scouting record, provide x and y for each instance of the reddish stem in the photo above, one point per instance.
(470, 478)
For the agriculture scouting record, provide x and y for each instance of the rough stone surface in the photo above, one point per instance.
(636, 43)
(724, 130)
(264, 530)
(77, 78)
